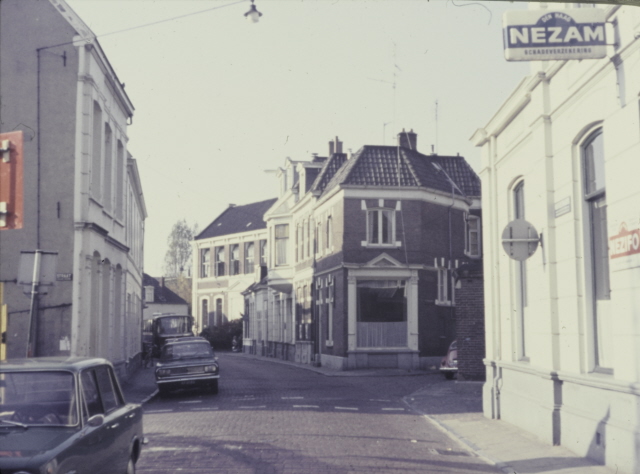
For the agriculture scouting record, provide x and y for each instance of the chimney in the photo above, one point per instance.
(408, 139)
(335, 146)
(161, 282)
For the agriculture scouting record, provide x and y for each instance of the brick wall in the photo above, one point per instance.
(470, 322)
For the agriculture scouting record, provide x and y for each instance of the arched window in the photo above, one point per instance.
(592, 154)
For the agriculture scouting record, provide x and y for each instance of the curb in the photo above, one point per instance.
(335, 372)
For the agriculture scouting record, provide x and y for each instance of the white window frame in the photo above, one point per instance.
(380, 208)
(446, 284)
(205, 263)
(217, 252)
(467, 236)
(234, 259)
(281, 245)
(330, 284)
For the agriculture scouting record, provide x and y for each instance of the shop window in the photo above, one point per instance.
(382, 301)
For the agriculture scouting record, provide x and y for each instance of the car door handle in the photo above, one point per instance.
(114, 426)
(131, 415)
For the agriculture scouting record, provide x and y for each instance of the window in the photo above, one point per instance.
(263, 253)
(595, 200)
(120, 180)
(248, 257)
(96, 152)
(148, 294)
(309, 238)
(329, 232)
(108, 171)
(521, 273)
(282, 241)
(382, 301)
(234, 265)
(219, 251)
(329, 301)
(205, 261)
(472, 236)
(303, 233)
(319, 237)
(204, 313)
(446, 287)
(380, 226)
(219, 312)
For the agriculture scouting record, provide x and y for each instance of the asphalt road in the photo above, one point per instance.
(274, 418)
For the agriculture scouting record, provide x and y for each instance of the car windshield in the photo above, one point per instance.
(174, 325)
(187, 350)
(38, 398)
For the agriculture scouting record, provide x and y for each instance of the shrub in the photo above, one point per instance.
(220, 337)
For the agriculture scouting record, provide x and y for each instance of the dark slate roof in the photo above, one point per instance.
(375, 165)
(328, 170)
(237, 219)
(161, 294)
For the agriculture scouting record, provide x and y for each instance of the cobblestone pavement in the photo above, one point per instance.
(274, 418)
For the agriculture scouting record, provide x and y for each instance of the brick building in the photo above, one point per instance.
(362, 249)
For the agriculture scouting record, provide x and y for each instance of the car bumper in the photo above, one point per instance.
(181, 380)
(448, 369)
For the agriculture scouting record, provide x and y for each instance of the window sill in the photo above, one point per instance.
(366, 244)
(329, 343)
(443, 303)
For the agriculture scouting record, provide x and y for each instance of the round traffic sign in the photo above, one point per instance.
(520, 239)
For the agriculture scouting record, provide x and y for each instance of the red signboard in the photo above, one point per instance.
(627, 242)
(11, 180)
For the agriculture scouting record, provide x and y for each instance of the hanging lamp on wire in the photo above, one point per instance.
(253, 14)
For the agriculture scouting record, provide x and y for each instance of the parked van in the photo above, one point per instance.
(160, 327)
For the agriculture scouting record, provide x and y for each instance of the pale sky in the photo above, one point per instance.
(219, 100)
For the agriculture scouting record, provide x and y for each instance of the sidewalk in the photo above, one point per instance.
(455, 408)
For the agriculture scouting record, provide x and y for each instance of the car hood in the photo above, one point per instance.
(20, 443)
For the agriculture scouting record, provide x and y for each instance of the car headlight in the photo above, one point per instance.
(50, 468)
(455, 362)
(211, 368)
(163, 372)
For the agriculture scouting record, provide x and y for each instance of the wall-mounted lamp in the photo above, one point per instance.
(253, 14)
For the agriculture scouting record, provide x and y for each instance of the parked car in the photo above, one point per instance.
(449, 363)
(187, 363)
(63, 415)
(162, 326)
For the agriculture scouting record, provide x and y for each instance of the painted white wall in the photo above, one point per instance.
(556, 391)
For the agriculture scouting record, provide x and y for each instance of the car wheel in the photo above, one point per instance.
(131, 467)
(214, 386)
(448, 375)
(162, 392)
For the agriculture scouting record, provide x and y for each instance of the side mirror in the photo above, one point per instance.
(95, 420)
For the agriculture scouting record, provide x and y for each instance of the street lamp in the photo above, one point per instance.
(253, 14)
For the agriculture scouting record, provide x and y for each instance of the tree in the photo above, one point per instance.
(177, 260)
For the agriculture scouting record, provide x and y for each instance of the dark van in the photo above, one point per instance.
(162, 326)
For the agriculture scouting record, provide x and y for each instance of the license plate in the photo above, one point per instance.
(188, 382)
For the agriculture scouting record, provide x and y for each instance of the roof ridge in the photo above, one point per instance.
(410, 166)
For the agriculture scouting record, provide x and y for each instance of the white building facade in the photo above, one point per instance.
(82, 193)
(563, 327)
